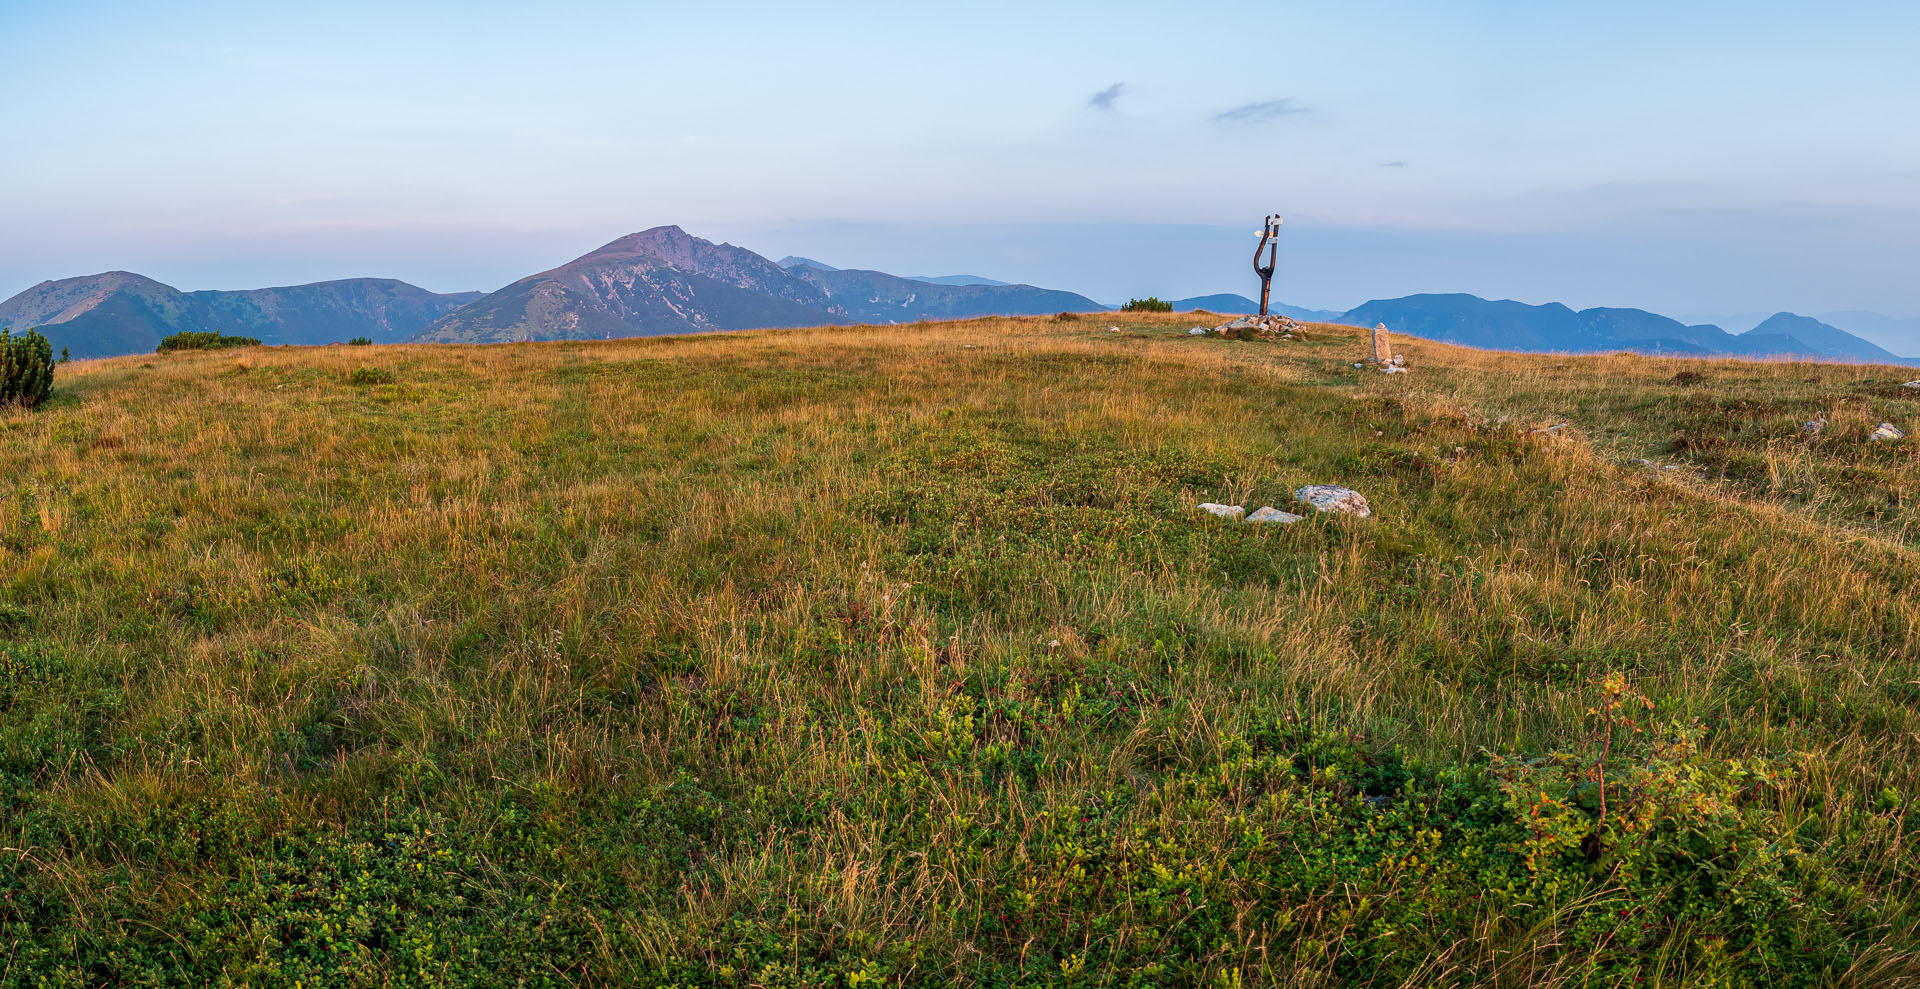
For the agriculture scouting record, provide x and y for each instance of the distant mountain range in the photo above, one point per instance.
(1507, 325)
(665, 280)
(119, 312)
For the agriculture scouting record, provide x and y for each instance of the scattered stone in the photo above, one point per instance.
(1198, 331)
(1272, 514)
(1888, 431)
(1360, 367)
(1333, 498)
(1911, 384)
(1814, 426)
(1113, 329)
(1394, 369)
(1644, 462)
(1399, 361)
(1224, 511)
(1382, 344)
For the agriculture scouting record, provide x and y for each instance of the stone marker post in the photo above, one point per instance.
(1382, 345)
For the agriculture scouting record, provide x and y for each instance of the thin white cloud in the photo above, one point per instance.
(1260, 112)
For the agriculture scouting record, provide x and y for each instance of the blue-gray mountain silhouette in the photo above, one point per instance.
(119, 312)
(1509, 325)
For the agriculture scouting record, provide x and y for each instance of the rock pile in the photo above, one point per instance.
(1888, 431)
(1254, 328)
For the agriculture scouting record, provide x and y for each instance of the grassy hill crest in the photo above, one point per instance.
(901, 655)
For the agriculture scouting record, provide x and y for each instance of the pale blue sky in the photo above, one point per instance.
(1694, 158)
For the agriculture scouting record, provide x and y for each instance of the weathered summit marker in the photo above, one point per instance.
(1382, 345)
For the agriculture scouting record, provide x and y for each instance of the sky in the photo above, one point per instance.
(1702, 159)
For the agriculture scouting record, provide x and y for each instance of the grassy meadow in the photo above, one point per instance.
(900, 656)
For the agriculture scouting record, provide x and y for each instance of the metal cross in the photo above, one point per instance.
(1270, 246)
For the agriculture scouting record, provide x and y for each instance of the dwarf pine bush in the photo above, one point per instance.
(193, 340)
(26, 368)
(1151, 303)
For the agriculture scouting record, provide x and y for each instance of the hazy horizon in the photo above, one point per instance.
(1729, 158)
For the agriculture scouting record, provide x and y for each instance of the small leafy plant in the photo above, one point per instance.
(26, 368)
(370, 376)
(1151, 303)
(195, 340)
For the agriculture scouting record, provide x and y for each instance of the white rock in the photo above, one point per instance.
(1198, 331)
(1911, 384)
(1360, 366)
(1333, 498)
(1814, 426)
(1113, 329)
(1398, 360)
(1888, 431)
(1394, 369)
(1224, 511)
(1272, 514)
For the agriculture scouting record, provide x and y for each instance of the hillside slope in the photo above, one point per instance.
(383, 310)
(665, 280)
(115, 312)
(879, 297)
(655, 282)
(903, 656)
(119, 312)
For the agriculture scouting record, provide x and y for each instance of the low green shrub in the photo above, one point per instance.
(1149, 304)
(26, 368)
(370, 376)
(194, 340)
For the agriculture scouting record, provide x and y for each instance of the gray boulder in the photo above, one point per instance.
(1333, 498)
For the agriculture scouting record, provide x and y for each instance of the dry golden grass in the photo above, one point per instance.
(900, 655)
